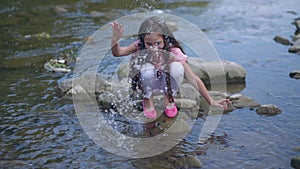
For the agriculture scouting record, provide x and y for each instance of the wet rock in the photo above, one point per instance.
(139, 10)
(296, 37)
(295, 74)
(76, 90)
(186, 103)
(295, 162)
(96, 14)
(208, 71)
(292, 12)
(107, 100)
(188, 162)
(180, 126)
(297, 23)
(109, 14)
(282, 40)
(236, 96)
(296, 47)
(42, 35)
(296, 148)
(240, 101)
(158, 11)
(268, 109)
(188, 92)
(234, 73)
(57, 65)
(90, 82)
(58, 9)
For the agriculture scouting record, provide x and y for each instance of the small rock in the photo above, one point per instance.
(95, 14)
(292, 12)
(188, 162)
(158, 11)
(76, 90)
(57, 65)
(244, 102)
(296, 148)
(297, 23)
(295, 162)
(236, 96)
(295, 74)
(294, 49)
(296, 37)
(282, 41)
(268, 109)
(59, 9)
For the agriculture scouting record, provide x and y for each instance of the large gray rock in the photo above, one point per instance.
(226, 70)
(86, 83)
(207, 71)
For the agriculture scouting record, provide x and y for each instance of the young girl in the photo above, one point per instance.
(163, 65)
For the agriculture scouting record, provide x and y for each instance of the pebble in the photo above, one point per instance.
(59, 9)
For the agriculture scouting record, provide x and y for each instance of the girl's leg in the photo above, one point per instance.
(148, 79)
(177, 75)
(176, 78)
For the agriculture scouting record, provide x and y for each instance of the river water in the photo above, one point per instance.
(39, 128)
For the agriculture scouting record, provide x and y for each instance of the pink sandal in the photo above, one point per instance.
(172, 111)
(149, 113)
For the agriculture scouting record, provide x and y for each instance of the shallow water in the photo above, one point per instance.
(40, 129)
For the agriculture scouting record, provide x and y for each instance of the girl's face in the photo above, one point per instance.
(154, 41)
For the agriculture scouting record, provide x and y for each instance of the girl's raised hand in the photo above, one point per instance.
(117, 30)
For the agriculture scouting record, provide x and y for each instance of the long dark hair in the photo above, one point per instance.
(157, 25)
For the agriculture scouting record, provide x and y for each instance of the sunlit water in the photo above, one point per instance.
(39, 128)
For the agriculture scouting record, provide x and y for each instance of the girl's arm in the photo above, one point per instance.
(116, 49)
(198, 84)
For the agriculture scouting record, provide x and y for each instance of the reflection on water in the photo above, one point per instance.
(40, 129)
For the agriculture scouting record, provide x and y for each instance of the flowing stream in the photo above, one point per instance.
(39, 128)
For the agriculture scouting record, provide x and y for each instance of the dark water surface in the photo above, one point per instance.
(40, 129)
